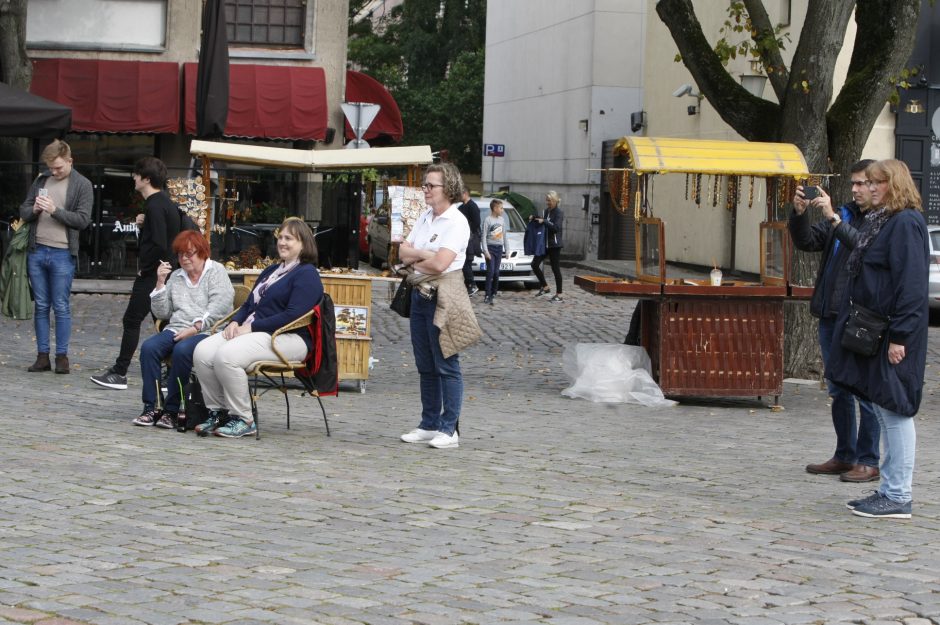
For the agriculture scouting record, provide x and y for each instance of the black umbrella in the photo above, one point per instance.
(212, 76)
(23, 114)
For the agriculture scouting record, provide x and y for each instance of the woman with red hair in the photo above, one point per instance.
(192, 299)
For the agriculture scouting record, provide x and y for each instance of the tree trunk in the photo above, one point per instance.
(830, 137)
(15, 67)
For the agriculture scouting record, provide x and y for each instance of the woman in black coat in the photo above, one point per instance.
(888, 271)
(553, 218)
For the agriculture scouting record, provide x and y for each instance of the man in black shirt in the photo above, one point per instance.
(161, 224)
(471, 211)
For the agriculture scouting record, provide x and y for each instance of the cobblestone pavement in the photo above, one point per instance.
(551, 511)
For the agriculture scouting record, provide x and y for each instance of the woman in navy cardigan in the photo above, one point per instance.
(888, 271)
(283, 293)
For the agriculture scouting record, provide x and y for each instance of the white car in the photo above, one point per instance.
(516, 265)
(933, 286)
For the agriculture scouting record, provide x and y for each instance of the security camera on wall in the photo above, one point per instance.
(637, 121)
(685, 89)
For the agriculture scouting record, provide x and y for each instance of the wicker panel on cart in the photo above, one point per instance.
(721, 347)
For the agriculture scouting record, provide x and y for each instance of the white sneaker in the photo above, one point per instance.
(444, 441)
(418, 435)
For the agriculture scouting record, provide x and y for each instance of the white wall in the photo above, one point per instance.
(549, 65)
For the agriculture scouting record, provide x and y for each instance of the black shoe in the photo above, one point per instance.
(473, 290)
(487, 300)
(111, 380)
(543, 291)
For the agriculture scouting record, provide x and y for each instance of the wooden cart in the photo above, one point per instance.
(704, 339)
(351, 292)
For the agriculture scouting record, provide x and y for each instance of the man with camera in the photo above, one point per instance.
(857, 448)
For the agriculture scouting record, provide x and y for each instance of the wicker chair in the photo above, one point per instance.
(269, 375)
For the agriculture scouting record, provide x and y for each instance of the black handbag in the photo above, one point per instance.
(401, 302)
(864, 330)
(194, 408)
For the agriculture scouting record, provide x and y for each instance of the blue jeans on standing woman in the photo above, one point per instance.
(152, 353)
(492, 269)
(441, 380)
(897, 470)
(856, 445)
(50, 274)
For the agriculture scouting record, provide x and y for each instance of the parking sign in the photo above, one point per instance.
(494, 149)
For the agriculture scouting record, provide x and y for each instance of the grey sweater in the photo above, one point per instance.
(184, 303)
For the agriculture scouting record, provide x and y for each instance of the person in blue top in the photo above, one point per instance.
(857, 448)
(283, 293)
(888, 271)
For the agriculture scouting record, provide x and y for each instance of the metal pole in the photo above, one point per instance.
(492, 173)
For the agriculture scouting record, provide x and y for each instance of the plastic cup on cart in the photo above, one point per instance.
(716, 277)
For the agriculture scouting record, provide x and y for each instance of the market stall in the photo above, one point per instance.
(711, 337)
(350, 290)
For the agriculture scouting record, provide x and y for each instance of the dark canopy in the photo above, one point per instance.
(23, 114)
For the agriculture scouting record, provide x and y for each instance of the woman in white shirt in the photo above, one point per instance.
(441, 314)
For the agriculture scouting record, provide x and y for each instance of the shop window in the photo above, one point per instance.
(125, 25)
(266, 23)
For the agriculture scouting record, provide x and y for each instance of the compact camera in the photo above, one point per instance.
(810, 193)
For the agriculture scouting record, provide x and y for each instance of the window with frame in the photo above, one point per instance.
(268, 23)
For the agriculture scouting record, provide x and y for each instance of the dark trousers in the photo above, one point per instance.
(473, 248)
(554, 258)
(137, 309)
(492, 269)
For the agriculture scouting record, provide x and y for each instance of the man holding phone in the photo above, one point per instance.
(857, 448)
(56, 209)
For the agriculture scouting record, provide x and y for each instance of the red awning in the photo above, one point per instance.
(112, 96)
(387, 127)
(268, 102)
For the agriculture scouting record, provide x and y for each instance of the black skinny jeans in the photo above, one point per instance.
(137, 309)
(554, 258)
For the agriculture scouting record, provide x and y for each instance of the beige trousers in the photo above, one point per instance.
(221, 365)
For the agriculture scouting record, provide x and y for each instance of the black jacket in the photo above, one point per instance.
(161, 225)
(821, 237)
(554, 225)
(471, 211)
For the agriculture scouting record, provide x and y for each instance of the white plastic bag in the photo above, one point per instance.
(611, 373)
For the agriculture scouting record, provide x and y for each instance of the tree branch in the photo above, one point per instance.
(776, 69)
(753, 118)
(883, 44)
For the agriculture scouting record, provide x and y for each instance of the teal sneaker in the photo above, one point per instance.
(216, 418)
(236, 428)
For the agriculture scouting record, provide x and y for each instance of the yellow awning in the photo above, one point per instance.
(651, 155)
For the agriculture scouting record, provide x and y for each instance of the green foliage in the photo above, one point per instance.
(267, 213)
(429, 54)
(752, 44)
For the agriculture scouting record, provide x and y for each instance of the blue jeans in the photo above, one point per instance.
(854, 445)
(152, 353)
(492, 269)
(50, 273)
(897, 468)
(441, 380)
